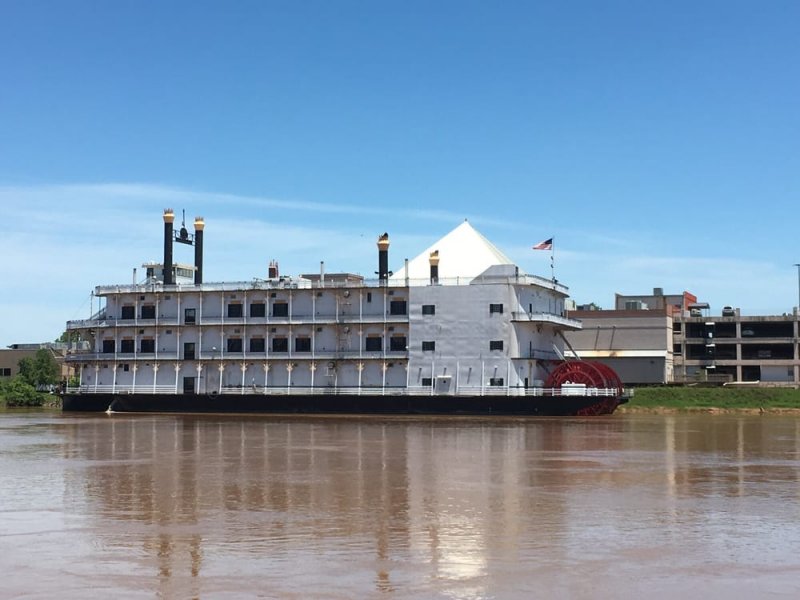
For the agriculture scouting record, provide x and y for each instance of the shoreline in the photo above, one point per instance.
(707, 410)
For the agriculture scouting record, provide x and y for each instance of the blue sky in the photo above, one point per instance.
(656, 141)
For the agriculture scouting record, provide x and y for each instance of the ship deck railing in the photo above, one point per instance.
(289, 283)
(171, 390)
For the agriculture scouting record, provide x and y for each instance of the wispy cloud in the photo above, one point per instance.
(59, 241)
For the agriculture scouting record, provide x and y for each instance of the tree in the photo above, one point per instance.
(40, 369)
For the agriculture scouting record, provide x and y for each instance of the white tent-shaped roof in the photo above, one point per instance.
(463, 254)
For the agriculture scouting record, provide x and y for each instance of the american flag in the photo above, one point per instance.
(545, 245)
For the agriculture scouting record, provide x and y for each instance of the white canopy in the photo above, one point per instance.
(463, 253)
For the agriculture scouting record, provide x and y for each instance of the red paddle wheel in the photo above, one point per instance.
(592, 375)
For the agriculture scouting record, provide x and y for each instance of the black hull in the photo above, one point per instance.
(344, 404)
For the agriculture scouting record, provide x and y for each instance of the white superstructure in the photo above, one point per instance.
(460, 318)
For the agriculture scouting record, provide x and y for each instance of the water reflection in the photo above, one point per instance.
(191, 506)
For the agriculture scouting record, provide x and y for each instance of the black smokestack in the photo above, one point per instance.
(433, 259)
(199, 224)
(169, 217)
(383, 258)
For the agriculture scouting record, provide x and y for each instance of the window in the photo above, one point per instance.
(234, 344)
(495, 308)
(235, 310)
(496, 381)
(397, 307)
(128, 312)
(126, 367)
(257, 345)
(398, 343)
(147, 346)
(369, 296)
(5, 372)
(189, 315)
(428, 309)
(496, 345)
(108, 346)
(302, 344)
(126, 347)
(280, 309)
(188, 351)
(428, 346)
(373, 344)
(258, 309)
(148, 311)
(427, 382)
(280, 344)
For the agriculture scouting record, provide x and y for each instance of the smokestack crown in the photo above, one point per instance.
(383, 242)
(169, 216)
(199, 223)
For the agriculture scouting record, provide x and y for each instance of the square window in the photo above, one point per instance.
(280, 344)
(373, 344)
(496, 345)
(258, 309)
(398, 343)
(126, 347)
(108, 346)
(128, 312)
(428, 309)
(495, 308)
(189, 315)
(257, 345)
(302, 344)
(280, 309)
(147, 346)
(235, 310)
(234, 344)
(428, 346)
(496, 381)
(397, 307)
(427, 382)
(148, 311)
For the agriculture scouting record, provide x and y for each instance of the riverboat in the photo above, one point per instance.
(459, 329)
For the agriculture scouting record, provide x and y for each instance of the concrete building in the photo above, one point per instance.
(672, 338)
(10, 357)
(736, 347)
(637, 344)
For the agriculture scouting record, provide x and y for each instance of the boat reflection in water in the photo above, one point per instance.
(194, 506)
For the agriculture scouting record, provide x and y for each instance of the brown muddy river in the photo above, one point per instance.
(627, 506)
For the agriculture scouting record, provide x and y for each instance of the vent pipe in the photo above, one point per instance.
(383, 259)
(272, 272)
(169, 218)
(199, 225)
(433, 259)
(322, 273)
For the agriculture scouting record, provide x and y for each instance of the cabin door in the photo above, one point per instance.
(188, 385)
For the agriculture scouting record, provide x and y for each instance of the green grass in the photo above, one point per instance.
(728, 398)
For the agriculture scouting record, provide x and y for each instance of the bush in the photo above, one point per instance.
(18, 393)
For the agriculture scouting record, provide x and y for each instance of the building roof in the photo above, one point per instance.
(463, 253)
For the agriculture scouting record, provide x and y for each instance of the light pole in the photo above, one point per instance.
(798, 286)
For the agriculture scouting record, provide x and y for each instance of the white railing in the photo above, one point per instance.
(300, 283)
(348, 391)
(545, 317)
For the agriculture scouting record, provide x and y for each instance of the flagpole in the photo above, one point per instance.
(553, 259)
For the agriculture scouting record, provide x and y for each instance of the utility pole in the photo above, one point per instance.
(798, 286)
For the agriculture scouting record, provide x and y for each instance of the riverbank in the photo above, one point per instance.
(756, 400)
